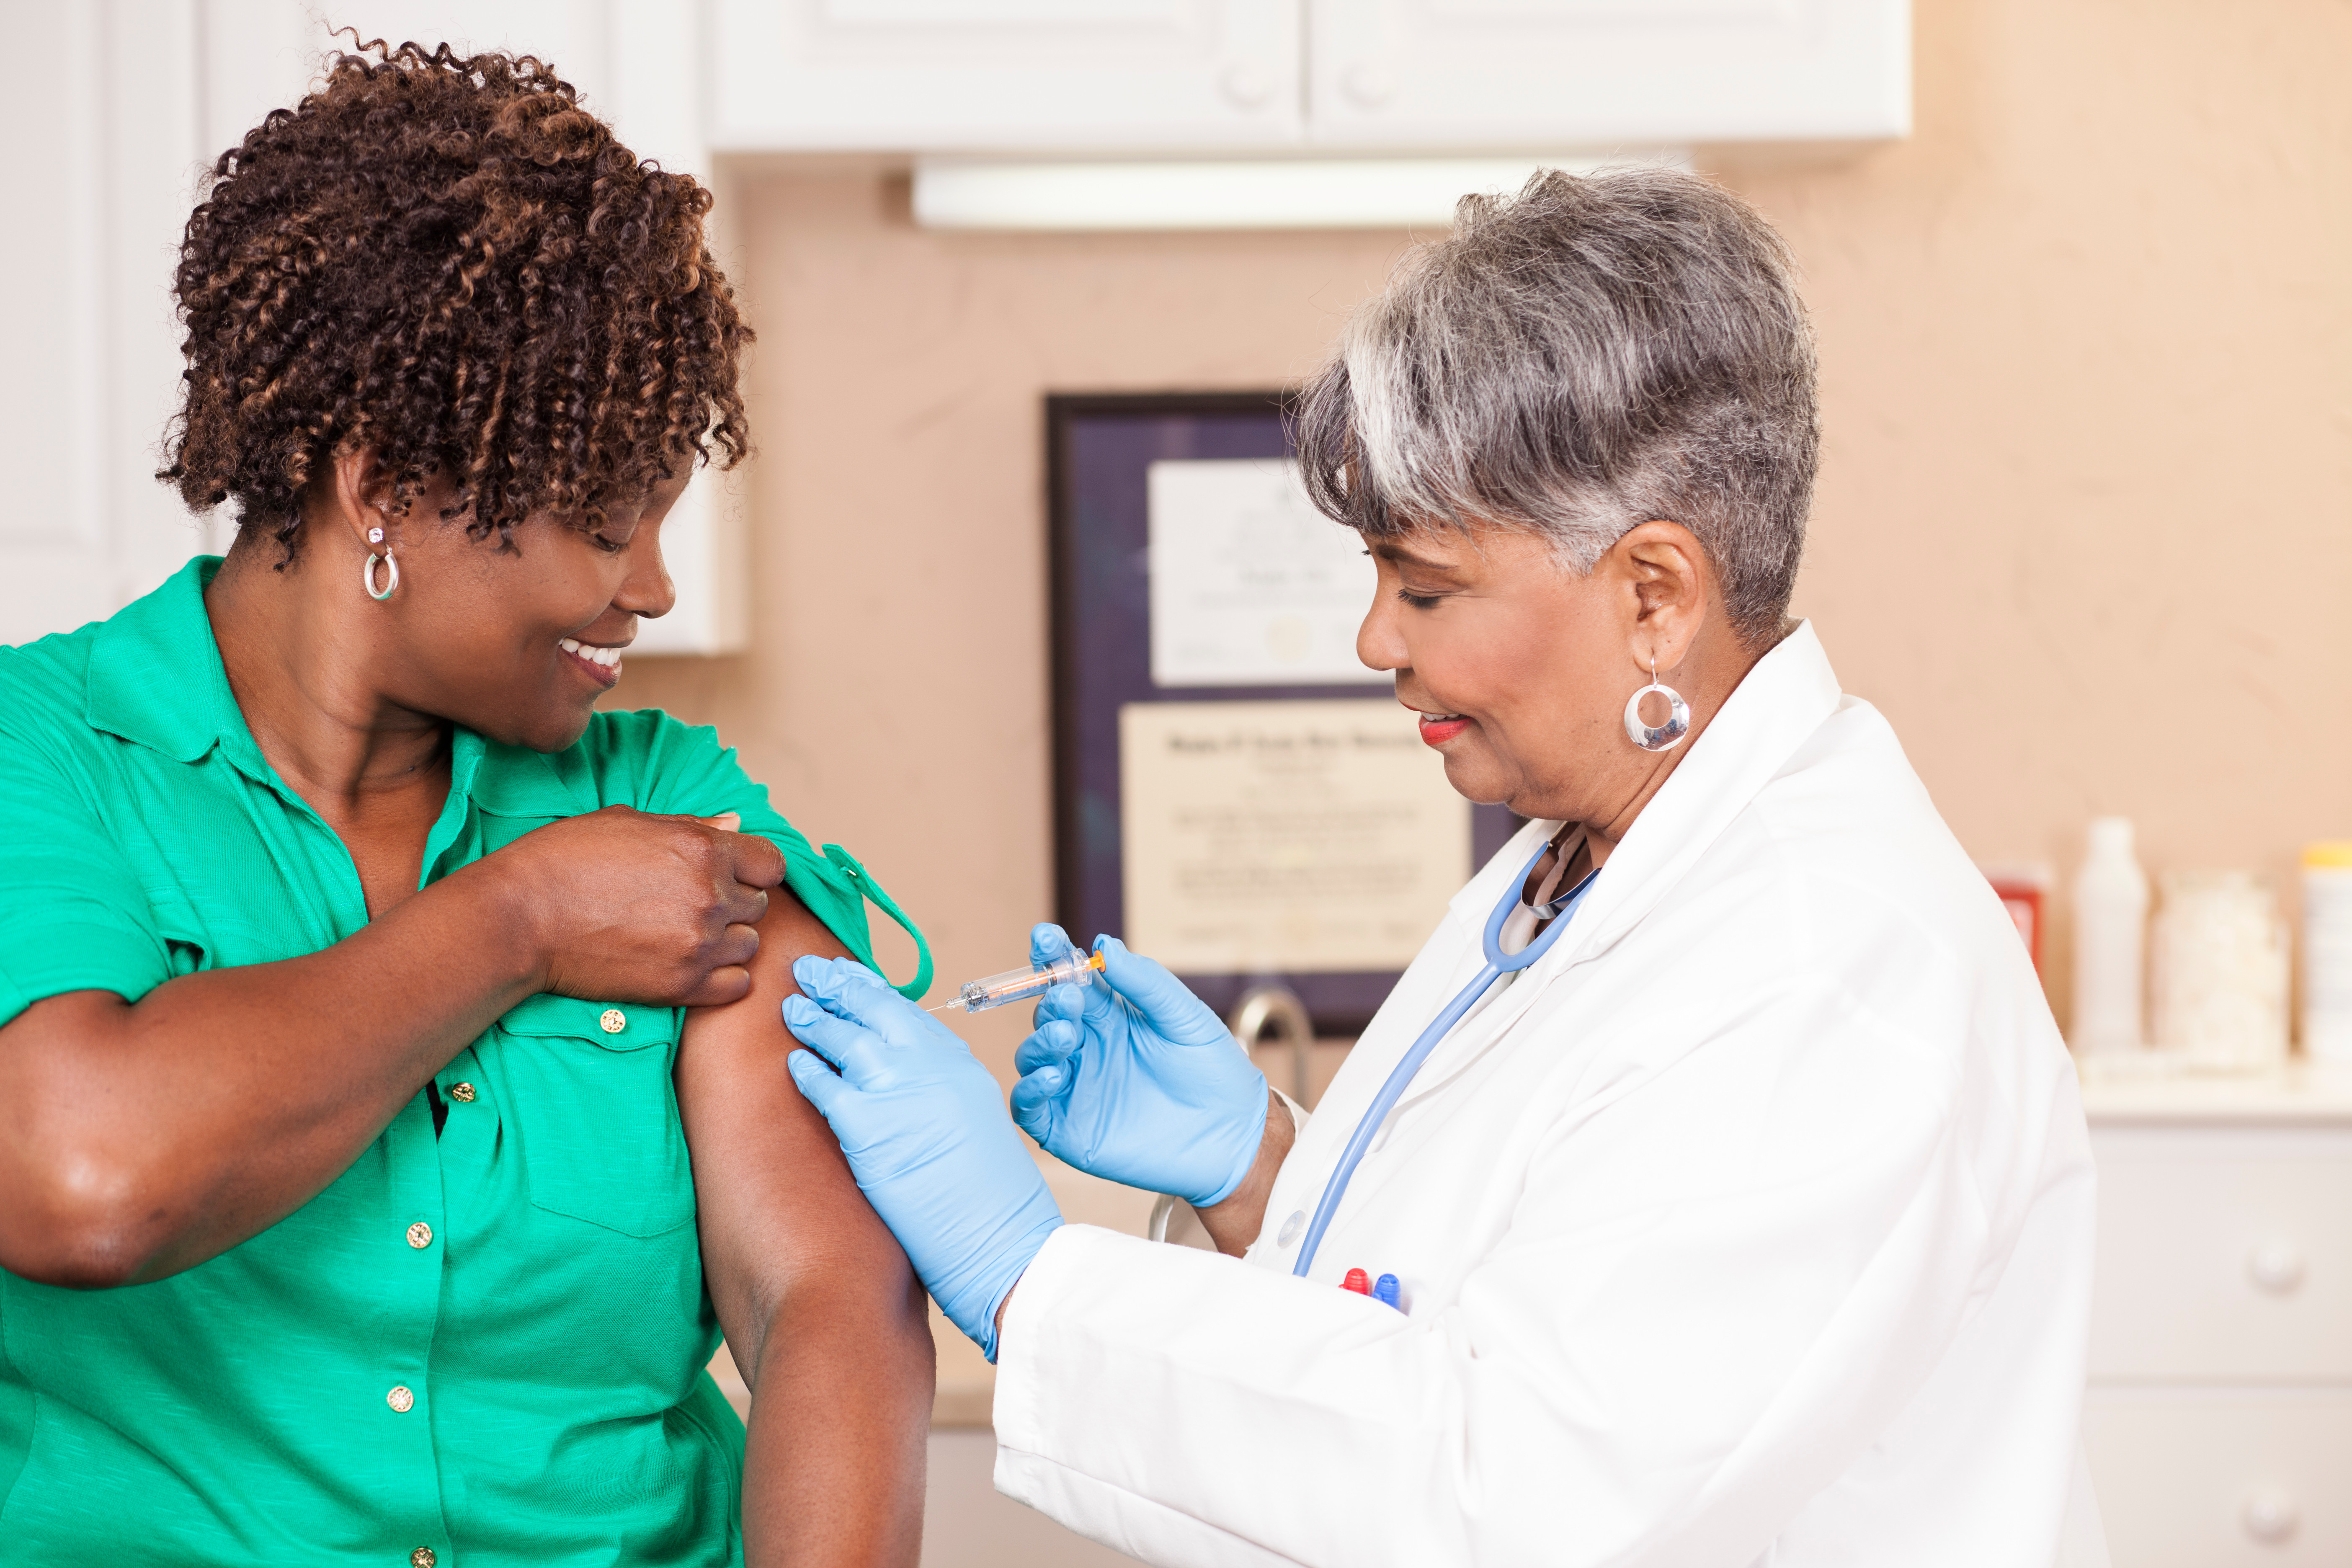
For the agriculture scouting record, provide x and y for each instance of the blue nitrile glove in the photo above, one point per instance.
(1136, 1081)
(926, 1135)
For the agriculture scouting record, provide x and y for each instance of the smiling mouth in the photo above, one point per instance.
(603, 663)
(1436, 729)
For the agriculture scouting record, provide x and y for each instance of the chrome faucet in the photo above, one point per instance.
(1275, 1011)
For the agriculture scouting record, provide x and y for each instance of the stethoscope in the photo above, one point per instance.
(1559, 911)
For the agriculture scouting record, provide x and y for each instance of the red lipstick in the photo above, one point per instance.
(1436, 729)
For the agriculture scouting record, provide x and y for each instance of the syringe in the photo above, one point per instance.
(1020, 984)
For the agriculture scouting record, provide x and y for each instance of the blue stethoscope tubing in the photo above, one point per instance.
(1498, 963)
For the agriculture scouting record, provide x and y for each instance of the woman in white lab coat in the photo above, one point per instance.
(1751, 1223)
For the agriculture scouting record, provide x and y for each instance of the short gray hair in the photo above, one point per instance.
(1577, 359)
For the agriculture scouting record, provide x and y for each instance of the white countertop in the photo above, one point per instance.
(2145, 1086)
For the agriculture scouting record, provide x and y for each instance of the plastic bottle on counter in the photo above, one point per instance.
(2327, 952)
(2218, 972)
(2110, 942)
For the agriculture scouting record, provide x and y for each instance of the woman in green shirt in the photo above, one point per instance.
(392, 1109)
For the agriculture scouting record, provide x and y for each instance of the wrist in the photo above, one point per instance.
(1233, 1221)
(1248, 1147)
(999, 1314)
(987, 1332)
(511, 917)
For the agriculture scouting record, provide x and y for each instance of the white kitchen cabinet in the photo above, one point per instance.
(1440, 74)
(107, 132)
(1039, 75)
(2222, 1477)
(1088, 78)
(143, 94)
(2219, 1419)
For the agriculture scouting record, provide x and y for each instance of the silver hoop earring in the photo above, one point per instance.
(367, 576)
(1666, 736)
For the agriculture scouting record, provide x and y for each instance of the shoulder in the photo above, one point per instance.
(647, 759)
(46, 735)
(643, 740)
(1849, 827)
(47, 683)
(1841, 893)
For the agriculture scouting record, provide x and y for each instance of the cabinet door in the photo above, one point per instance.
(105, 130)
(1631, 74)
(1071, 76)
(2193, 1478)
(2225, 1255)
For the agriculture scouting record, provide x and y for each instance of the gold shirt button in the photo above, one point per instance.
(614, 1021)
(400, 1398)
(422, 1557)
(420, 1235)
(460, 1091)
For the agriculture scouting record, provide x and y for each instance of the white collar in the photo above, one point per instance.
(1782, 700)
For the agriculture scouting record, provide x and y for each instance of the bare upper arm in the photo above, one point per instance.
(777, 1205)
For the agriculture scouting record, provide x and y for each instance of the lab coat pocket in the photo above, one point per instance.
(592, 1103)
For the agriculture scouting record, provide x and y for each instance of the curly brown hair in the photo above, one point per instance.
(448, 259)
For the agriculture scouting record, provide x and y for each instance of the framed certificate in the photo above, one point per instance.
(1236, 794)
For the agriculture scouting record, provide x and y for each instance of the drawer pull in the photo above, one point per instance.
(2270, 1516)
(2275, 1267)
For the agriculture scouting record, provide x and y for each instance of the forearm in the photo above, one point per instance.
(833, 1469)
(141, 1139)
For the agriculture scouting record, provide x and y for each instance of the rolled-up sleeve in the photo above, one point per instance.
(685, 769)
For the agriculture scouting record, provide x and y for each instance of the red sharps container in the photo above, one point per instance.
(2024, 890)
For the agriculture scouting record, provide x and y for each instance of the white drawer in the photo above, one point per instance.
(2214, 1478)
(2225, 1256)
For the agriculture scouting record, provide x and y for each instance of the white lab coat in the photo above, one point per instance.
(1751, 1226)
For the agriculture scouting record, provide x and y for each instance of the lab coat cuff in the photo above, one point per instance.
(1020, 1339)
(1298, 1115)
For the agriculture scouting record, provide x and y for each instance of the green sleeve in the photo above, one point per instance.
(682, 768)
(73, 915)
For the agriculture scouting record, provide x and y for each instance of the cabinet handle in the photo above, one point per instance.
(2270, 1515)
(1368, 84)
(2275, 1267)
(1244, 86)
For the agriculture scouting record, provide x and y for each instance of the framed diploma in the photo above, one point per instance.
(1236, 794)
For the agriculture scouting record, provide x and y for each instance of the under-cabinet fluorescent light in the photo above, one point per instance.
(1334, 193)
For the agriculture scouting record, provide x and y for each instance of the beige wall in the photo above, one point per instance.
(2081, 526)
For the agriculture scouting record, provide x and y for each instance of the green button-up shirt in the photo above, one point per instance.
(489, 1341)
